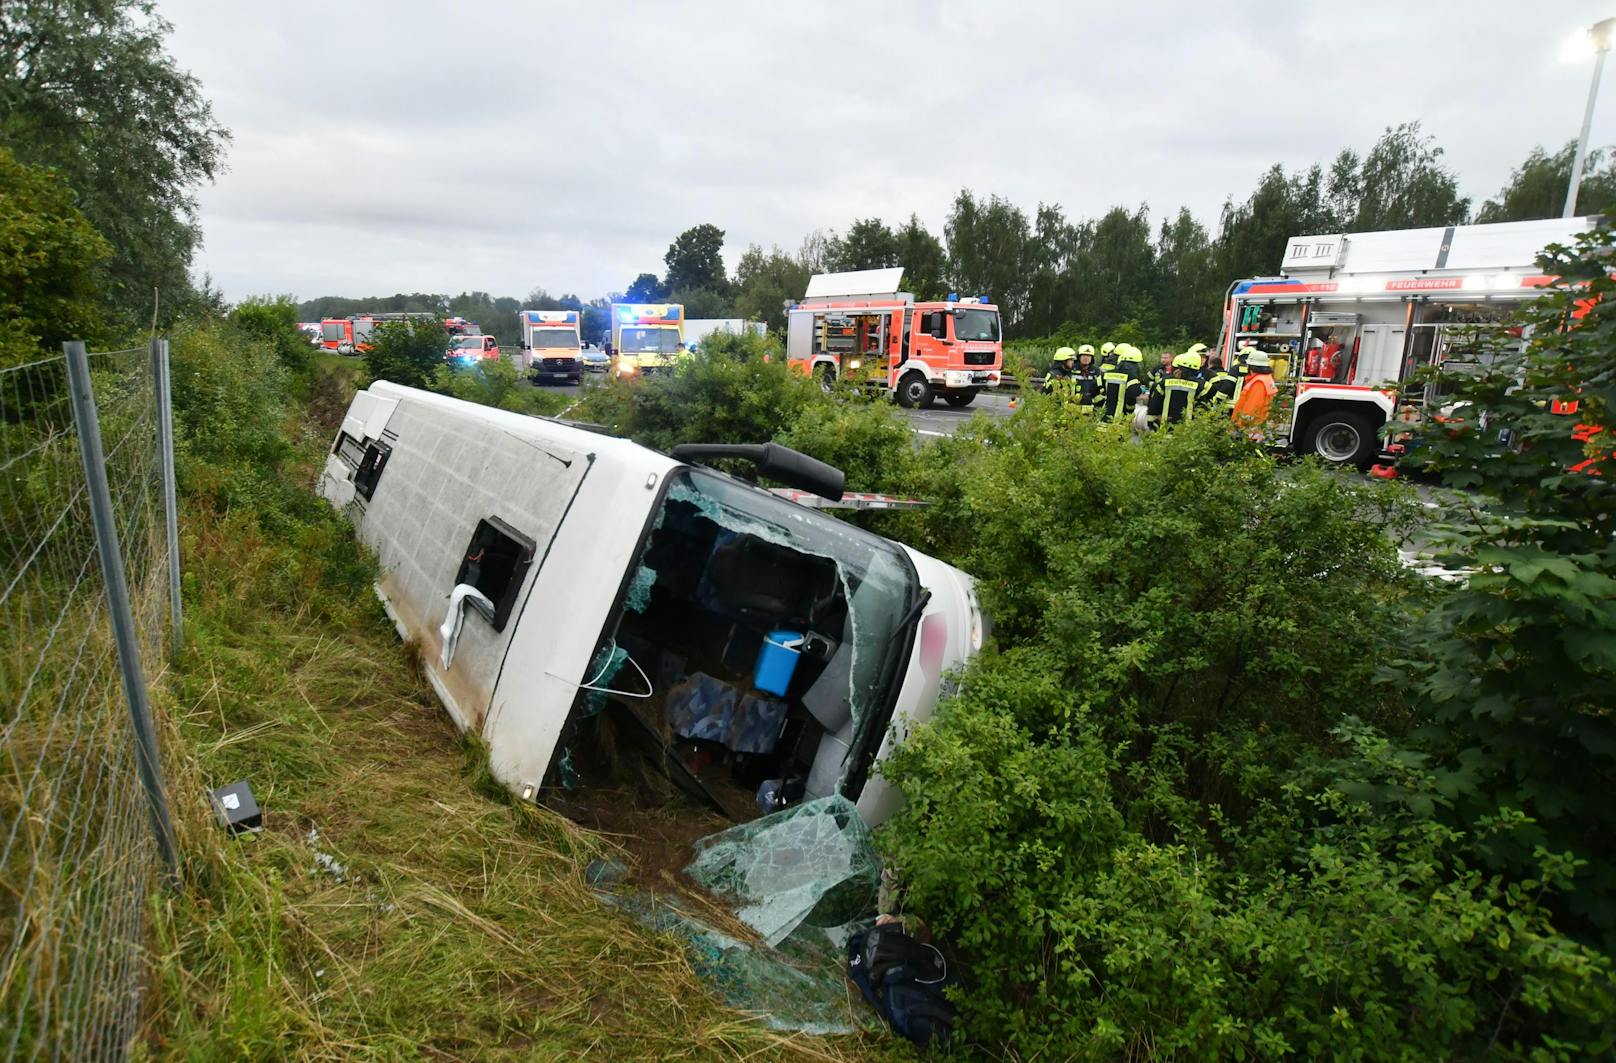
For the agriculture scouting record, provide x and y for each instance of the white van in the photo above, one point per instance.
(764, 651)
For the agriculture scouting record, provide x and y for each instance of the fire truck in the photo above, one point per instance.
(1351, 315)
(550, 344)
(857, 327)
(646, 337)
(352, 335)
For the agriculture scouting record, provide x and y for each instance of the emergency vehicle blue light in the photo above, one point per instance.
(626, 315)
(953, 297)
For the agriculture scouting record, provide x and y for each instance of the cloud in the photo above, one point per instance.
(416, 146)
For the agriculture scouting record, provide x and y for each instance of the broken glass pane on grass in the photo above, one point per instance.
(809, 864)
(804, 880)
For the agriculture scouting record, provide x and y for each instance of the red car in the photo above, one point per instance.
(470, 348)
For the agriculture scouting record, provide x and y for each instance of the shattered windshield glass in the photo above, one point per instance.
(874, 578)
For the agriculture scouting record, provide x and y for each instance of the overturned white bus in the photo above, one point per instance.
(558, 580)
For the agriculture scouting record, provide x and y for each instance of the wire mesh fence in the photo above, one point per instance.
(78, 853)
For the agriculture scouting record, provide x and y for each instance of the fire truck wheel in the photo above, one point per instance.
(827, 378)
(961, 398)
(1341, 439)
(914, 392)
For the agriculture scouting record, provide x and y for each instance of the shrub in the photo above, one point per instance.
(1515, 672)
(48, 253)
(711, 396)
(274, 320)
(495, 382)
(408, 352)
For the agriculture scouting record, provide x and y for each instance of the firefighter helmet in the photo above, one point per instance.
(1065, 354)
(1107, 347)
(1188, 360)
(1087, 348)
(1127, 352)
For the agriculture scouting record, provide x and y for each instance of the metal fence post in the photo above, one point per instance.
(123, 621)
(165, 453)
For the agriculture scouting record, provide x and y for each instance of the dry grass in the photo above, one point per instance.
(460, 928)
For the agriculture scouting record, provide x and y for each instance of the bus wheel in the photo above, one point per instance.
(914, 392)
(961, 398)
(1341, 439)
(827, 378)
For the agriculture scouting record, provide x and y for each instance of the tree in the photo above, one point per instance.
(924, 261)
(988, 244)
(1187, 291)
(703, 303)
(765, 281)
(696, 260)
(48, 257)
(644, 289)
(869, 244)
(1114, 265)
(1537, 189)
(86, 87)
(1403, 184)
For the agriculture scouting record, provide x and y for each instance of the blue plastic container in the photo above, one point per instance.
(777, 660)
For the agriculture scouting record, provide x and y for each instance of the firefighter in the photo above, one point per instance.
(1257, 393)
(1162, 370)
(1086, 378)
(1172, 398)
(1108, 360)
(1122, 384)
(1218, 385)
(1060, 369)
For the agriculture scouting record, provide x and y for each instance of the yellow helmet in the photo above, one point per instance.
(1188, 360)
(1065, 354)
(1087, 348)
(1196, 348)
(1107, 347)
(1127, 352)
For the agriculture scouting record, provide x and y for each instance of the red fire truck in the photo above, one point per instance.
(859, 328)
(1351, 315)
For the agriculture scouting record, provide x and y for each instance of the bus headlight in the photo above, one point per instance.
(855, 364)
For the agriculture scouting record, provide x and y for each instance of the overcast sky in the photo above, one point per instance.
(413, 146)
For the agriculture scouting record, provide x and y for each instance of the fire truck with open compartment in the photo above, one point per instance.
(1351, 315)
(858, 327)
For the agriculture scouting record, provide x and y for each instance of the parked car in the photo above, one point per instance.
(596, 360)
(471, 348)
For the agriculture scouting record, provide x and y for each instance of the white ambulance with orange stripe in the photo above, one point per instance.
(1351, 315)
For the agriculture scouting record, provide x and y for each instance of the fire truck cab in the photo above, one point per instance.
(336, 334)
(1351, 315)
(858, 327)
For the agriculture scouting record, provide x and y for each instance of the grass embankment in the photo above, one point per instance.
(394, 906)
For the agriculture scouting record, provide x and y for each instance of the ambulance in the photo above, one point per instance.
(857, 327)
(1351, 316)
(551, 345)
(646, 337)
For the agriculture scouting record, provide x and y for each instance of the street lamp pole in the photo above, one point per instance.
(1600, 33)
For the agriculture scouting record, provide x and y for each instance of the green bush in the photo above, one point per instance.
(710, 396)
(48, 255)
(408, 352)
(1156, 822)
(495, 382)
(1514, 674)
(274, 320)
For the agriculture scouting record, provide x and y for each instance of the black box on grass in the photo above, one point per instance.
(237, 809)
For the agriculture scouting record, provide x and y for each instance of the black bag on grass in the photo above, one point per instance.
(903, 979)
